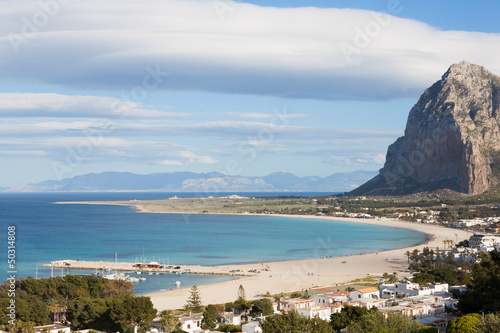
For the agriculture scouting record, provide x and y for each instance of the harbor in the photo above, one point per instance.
(152, 268)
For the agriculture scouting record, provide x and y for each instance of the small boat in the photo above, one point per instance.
(142, 278)
(177, 283)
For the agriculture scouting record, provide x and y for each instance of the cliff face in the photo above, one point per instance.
(451, 139)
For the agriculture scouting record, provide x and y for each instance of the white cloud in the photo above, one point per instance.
(260, 116)
(57, 105)
(188, 158)
(104, 149)
(285, 52)
(358, 159)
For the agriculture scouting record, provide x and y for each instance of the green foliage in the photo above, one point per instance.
(489, 324)
(168, 322)
(292, 322)
(209, 321)
(229, 328)
(428, 329)
(36, 299)
(444, 275)
(229, 307)
(87, 312)
(348, 315)
(262, 307)
(132, 311)
(483, 294)
(375, 322)
(194, 302)
(466, 324)
(241, 304)
(297, 294)
(89, 302)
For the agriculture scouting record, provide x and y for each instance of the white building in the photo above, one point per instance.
(53, 328)
(328, 299)
(191, 323)
(229, 318)
(371, 303)
(484, 242)
(289, 304)
(253, 327)
(469, 223)
(409, 289)
(323, 312)
(370, 292)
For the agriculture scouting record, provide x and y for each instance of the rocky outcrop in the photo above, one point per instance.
(451, 140)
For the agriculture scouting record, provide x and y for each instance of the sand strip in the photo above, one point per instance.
(303, 274)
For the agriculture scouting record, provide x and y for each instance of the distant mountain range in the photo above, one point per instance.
(199, 182)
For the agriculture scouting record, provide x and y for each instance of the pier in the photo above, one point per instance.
(140, 267)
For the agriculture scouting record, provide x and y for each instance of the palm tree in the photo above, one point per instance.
(408, 254)
(29, 327)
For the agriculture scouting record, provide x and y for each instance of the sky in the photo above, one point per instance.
(245, 88)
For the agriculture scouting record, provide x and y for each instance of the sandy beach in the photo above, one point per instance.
(321, 271)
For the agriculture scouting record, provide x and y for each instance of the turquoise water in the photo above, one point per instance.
(48, 232)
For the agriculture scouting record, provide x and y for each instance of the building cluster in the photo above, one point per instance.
(426, 304)
(478, 242)
(485, 242)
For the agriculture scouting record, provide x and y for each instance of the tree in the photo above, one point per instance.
(466, 324)
(168, 322)
(483, 294)
(194, 302)
(241, 304)
(262, 307)
(292, 322)
(229, 328)
(490, 324)
(134, 311)
(375, 322)
(86, 312)
(209, 321)
(347, 316)
(408, 254)
(428, 329)
(29, 327)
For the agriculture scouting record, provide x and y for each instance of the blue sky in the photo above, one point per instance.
(243, 88)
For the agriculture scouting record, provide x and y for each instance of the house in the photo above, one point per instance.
(370, 292)
(229, 318)
(328, 299)
(409, 289)
(289, 304)
(191, 323)
(337, 308)
(253, 327)
(371, 303)
(323, 312)
(440, 322)
(53, 328)
(484, 242)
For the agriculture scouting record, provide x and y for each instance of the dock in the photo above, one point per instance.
(138, 267)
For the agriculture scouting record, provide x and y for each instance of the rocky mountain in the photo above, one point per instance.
(200, 182)
(451, 141)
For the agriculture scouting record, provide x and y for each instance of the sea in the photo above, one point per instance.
(46, 231)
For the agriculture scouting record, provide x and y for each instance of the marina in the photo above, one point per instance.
(151, 268)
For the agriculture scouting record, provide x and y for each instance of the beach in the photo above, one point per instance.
(289, 276)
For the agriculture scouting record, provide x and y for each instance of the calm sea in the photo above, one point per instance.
(48, 232)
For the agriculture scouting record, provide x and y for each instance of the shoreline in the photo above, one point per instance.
(296, 275)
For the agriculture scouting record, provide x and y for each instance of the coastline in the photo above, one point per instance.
(296, 275)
